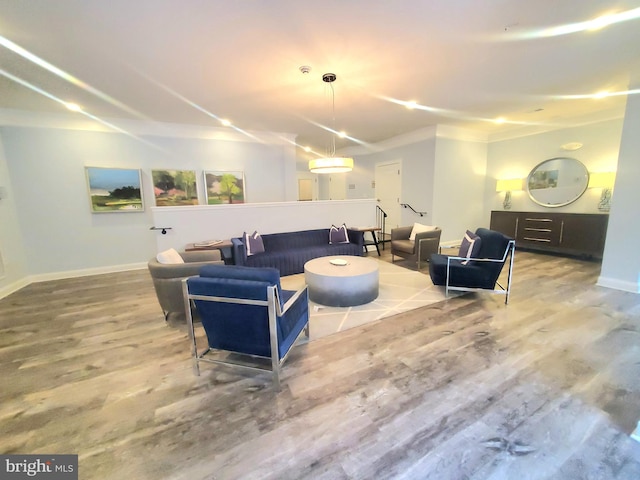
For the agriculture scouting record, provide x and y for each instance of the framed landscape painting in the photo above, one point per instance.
(174, 187)
(224, 187)
(114, 189)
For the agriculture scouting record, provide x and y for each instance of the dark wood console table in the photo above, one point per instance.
(580, 234)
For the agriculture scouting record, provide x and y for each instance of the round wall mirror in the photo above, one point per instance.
(557, 182)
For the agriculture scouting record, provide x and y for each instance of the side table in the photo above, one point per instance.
(224, 246)
(373, 231)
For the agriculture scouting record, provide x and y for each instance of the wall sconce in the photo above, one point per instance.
(605, 181)
(507, 186)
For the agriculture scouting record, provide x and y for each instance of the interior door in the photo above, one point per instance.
(387, 189)
(305, 189)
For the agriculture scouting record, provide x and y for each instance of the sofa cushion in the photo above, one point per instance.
(170, 256)
(338, 234)
(470, 246)
(406, 246)
(253, 243)
(419, 228)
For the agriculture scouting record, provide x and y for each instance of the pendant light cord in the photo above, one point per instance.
(333, 109)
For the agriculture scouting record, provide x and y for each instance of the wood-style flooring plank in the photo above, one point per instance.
(547, 387)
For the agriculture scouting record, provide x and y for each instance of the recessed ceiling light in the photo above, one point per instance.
(342, 134)
(74, 107)
(500, 120)
(307, 149)
(225, 122)
(601, 94)
(571, 146)
(411, 105)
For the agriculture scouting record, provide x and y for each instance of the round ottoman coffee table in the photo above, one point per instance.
(342, 281)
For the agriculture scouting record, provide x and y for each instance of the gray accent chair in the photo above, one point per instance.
(167, 280)
(420, 250)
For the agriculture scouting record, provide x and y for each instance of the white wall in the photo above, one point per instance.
(61, 237)
(515, 158)
(208, 222)
(443, 175)
(359, 182)
(417, 160)
(13, 270)
(459, 182)
(621, 260)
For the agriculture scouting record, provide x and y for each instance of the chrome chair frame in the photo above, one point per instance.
(509, 251)
(275, 310)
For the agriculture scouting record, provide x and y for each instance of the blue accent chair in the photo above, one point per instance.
(245, 311)
(480, 272)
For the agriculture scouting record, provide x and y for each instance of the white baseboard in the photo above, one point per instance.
(13, 287)
(618, 284)
(45, 277)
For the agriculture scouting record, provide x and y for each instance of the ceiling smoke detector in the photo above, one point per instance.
(305, 69)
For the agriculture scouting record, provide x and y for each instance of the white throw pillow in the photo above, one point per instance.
(419, 228)
(169, 256)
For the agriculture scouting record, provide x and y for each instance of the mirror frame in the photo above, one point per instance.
(561, 204)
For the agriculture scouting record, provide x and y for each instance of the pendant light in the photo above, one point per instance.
(331, 164)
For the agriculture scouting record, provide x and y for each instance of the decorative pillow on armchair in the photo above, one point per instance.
(338, 234)
(419, 228)
(470, 246)
(253, 243)
(169, 257)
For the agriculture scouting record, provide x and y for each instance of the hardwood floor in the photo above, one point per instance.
(547, 387)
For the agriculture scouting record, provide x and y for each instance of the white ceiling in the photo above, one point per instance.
(240, 60)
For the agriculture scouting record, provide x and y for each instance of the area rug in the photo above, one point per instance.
(400, 290)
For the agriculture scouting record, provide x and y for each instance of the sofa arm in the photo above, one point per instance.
(238, 252)
(356, 237)
(201, 256)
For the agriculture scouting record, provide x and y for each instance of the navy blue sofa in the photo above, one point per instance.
(288, 252)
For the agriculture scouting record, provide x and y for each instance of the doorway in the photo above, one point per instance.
(305, 189)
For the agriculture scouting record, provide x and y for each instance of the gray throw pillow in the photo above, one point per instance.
(470, 246)
(338, 234)
(253, 243)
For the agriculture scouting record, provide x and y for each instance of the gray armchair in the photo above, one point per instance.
(419, 250)
(167, 279)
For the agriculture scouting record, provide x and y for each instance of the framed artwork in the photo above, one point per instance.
(174, 187)
(224, 187)
(114, 189)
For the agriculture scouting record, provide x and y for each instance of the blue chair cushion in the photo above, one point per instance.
(472, 274)
(241, 327)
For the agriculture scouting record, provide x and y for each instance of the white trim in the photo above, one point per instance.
(85, 272)
(45, 277)
(528, 130)
(618, 284)
(13, 287)
(23, 118)
(409, 138)
(463, 134)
